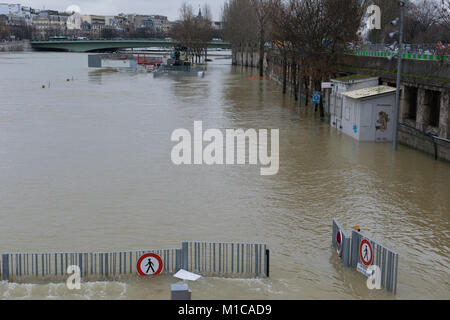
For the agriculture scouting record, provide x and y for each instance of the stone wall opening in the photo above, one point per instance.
(410, 107)
(433, 104)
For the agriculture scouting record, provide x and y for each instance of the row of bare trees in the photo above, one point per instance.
(309, 35)
(193, 31)
(308, 38)
(426, 21)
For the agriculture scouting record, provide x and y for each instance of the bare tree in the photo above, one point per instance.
(193, 31)
(263, 9)
(321, 30)
(444, 13)
(240, 27)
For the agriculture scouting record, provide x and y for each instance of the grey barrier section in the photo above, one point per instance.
(233, 259)
(346, 253)
(20, 267)
(384, 258)
(208, 258)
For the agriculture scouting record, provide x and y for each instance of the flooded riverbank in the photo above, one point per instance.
(85, 165)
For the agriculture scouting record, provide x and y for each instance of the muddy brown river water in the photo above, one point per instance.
(85, 166)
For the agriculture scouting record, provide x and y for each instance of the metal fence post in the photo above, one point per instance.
(346, 251)
(178, 259)
(355, 249)
(184, 254)
(267, 257)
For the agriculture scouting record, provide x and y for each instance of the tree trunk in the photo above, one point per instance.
(307, 91)
(261, 53)
(284, 71)
(294, 78)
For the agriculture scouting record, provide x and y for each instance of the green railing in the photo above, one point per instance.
(410, 56)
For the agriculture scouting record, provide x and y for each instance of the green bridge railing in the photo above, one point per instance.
(411, 56)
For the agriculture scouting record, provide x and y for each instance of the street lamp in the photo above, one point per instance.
(399, 70)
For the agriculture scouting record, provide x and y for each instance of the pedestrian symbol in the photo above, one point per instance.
(149, 264)
(366, 252)
(316, 97)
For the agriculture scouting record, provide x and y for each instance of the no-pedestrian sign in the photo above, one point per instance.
(149, 264)
(366, 252)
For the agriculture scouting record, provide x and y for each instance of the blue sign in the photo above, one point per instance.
(316, 97)
(355, 128)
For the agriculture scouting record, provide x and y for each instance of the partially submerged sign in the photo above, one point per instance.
(364, 270)
(366, 252)
(375, 261)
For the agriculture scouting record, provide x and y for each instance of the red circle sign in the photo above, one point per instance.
(366, 252)
(149, 264)
(339, 239)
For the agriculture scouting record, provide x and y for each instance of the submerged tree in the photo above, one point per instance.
(240, 26)
(193, 31)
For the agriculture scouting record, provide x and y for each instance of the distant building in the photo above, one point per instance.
(160, 23)
(217, 25)
(3, 20)
(17, 20)
(41, 23)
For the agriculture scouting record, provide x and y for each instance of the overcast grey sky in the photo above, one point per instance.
(109, 7)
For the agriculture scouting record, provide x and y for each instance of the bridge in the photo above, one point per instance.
(104, 45)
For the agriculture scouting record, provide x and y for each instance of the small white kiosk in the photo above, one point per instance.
(368, 113)
(344, 84)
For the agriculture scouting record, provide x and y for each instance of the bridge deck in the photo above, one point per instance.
(96, 45)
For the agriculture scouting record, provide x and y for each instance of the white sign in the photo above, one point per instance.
(186, 275)
(149, 264)
(327, 85)
(364, 270)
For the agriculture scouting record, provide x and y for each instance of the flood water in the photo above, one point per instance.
(85, 166)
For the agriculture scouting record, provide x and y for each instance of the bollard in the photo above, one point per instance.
(180, 291)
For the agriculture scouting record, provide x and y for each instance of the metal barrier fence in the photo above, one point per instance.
(226, 258)
(206, 258)
(21, 267)
(384, 258)
(345, 243)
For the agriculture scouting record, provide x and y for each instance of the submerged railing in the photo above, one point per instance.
(237, 259)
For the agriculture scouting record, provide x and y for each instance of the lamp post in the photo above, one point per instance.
(399, 71)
